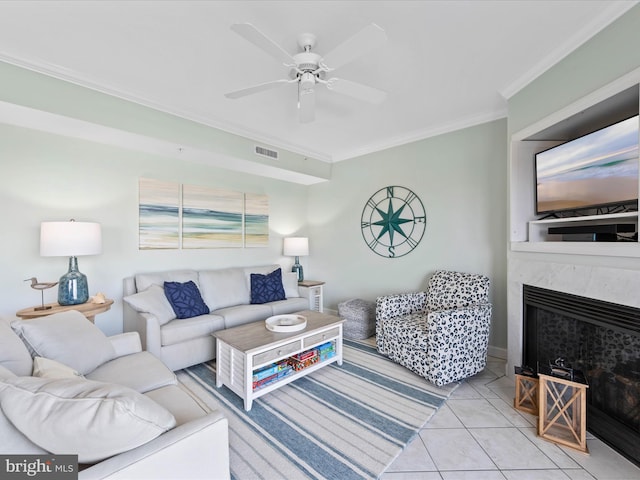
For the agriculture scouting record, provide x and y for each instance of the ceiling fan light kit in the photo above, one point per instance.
(309, 69)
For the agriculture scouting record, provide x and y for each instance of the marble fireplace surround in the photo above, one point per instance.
(615, 285)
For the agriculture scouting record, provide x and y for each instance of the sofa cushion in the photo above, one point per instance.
(267, 288)
(93, 419)
(223, 288)
(13, 353)
(47, 368)
(242, 314)
(181, 405)
(139, 371)
(185, 299)
(290, 284)
(145, 280)
(6, 373)
(289, 305)
(153, 301)
(67, 337)
(179, 331)
(12, 439)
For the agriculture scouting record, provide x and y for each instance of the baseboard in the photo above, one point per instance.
(497, 352)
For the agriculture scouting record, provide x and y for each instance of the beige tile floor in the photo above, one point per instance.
(478, 435)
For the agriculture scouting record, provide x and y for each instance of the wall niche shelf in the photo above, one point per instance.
(529, 233)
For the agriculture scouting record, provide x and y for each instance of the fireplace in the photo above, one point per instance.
(601, 339)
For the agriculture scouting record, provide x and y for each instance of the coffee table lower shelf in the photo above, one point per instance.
(242, 350)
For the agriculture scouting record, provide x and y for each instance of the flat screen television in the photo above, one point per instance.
(595, 170)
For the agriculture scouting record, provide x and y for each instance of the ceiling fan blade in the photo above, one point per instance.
(356, 90)
(367, 39)
(256, 88)
(260, 40)
(306, 105)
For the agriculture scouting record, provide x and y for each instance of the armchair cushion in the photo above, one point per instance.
(93, 419)
(447, 290)
(67, 337)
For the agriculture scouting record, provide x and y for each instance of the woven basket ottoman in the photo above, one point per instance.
(360, 316)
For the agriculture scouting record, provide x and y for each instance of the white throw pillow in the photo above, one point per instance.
(153, 301)
(94, 420)
(47, 368)
(145, 280)
(13, 353)
(290, 284)
(67, 337)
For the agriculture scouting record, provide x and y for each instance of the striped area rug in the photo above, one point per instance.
(340, 422)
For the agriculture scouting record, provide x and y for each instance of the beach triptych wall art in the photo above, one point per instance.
(193, 216)
(159, 214)
(256, 220)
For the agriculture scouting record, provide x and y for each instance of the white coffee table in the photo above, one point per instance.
(243, 349)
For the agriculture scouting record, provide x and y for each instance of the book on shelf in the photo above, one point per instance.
(263, 382)
(269, 370)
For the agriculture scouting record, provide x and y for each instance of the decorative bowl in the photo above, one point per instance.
(285, 323)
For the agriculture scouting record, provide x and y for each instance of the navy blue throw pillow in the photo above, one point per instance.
(185, 299)
(267, 288)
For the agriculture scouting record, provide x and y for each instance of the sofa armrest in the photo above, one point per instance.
(148, 328)
(457, 342)
(126, 343)
(194, 450)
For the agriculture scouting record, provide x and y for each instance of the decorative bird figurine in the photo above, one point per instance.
(42, 286)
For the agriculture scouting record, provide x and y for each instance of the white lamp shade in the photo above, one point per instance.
(70, 239)
(296, 246)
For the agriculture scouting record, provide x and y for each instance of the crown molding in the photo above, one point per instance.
(614, 11)
(417, 135)
(75, 78)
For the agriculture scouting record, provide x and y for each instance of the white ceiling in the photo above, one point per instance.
(446, 65)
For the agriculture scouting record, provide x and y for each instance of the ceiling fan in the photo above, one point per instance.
(309, 69)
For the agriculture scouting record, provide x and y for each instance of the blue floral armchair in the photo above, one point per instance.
(442, 333)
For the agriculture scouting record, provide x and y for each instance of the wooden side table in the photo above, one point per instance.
(88, 309)
(563, 411)
(312, 290)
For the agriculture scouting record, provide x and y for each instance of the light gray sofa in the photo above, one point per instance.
(125, 416)
(180, 343)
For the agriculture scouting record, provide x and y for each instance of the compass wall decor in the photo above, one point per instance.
(393, 221)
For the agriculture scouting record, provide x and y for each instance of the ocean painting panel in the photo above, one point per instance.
(256, 220)
(211, 218)
(158, 214)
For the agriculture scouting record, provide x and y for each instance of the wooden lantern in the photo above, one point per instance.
(563, 411)
(526, 392)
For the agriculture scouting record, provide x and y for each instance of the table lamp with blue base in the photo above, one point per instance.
(71, 239)
(296, 247)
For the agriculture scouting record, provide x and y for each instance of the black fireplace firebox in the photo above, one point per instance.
(601, 339)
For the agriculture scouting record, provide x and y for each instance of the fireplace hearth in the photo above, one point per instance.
(601, 339)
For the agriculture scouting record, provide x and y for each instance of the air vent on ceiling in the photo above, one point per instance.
(265, 152)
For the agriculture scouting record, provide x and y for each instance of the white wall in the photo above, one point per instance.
(48, 177)
(460, 178)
